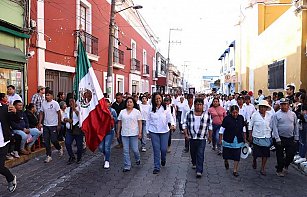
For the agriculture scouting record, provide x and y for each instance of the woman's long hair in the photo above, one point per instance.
(154, 104)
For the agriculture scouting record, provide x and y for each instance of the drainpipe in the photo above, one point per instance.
(40, 43)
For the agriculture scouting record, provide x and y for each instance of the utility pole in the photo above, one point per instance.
(110, 52)
(168, 52)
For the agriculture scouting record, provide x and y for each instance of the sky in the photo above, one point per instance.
(208, 27)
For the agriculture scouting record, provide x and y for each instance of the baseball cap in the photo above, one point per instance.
(284, 100)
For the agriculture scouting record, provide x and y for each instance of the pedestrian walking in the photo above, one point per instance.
(260, 134)
(180, 105)
(5, 135)
(232, 138)
(195, 125)
(169, 106)
(51, 115)
(74, 132)
(118, 105)
(158, 128)
(285, 133)
(217, 113)
(145, 108)
(186, 109)
(105, 145)
(130, 128)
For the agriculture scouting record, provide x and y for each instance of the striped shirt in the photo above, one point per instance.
(197, 126)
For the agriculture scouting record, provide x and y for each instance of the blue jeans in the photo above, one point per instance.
(133, 142)
(68, 143)
(33, 131)
(215, 136)
(159, 144)
(144, 133)
(303, 141)
(105, 145)
(197, 151)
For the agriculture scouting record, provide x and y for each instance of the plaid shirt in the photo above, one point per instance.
(205, 124)
(37, 100)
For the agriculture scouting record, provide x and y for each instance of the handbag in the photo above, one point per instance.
(266, 142)
(75, 129)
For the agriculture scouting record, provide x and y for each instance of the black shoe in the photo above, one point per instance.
(12, 185)
(126, 170)
(79, 161)
(71, 160)
(186, 150)
(236, 174)
(226, 164)
(163, 163)
(138, 162)
(156, 171)
(198, 175)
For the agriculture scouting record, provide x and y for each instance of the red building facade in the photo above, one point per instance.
(57, 25)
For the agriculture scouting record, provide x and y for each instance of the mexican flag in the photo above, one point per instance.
(95, 118)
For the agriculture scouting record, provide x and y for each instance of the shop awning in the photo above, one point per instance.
(12, 54)
(13, 32)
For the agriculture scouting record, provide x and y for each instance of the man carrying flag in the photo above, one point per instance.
(95, 117)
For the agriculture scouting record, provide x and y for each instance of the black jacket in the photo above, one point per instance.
(32, 119)
(5, 122)
(20, 122)
(118, 107)
(233, 128)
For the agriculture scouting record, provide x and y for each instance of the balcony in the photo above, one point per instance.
(135, 66)
(145, 70)
(118, 58)
(155, 75)
(90, 43)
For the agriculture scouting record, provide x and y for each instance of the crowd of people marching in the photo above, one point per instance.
(230, 123)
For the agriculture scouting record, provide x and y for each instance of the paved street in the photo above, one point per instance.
(175, 179)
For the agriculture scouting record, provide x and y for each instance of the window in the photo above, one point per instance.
(133, 47)
(11, 77)
(83, 17)
(116, 42)
(276, 75)
(59, 81)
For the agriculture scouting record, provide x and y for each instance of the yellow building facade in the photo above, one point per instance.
(271, 46)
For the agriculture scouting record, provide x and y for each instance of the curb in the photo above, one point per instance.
(25, 158)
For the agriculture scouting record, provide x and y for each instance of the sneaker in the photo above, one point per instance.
(12, 185)
(280, 174)
(61, 152)
(143, 149)
(285, 170)
(163, 163)
(198, 175)
(194, 167)
(126, 170)
(24, 152)
(15, 154)
(298, 161)
(9, 157)
(138, 162)
(296, 157)
(106, 165)
(48, 159)
(156, 171)
(168, 149)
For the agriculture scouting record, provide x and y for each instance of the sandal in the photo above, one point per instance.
(236, 174)
(263, 173)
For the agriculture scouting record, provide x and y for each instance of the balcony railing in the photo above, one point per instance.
(135, 65)
(90, 42)
(146, 69)
(118, 56)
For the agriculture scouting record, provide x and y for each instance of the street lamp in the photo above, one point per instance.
(168, 51)
(111, 45)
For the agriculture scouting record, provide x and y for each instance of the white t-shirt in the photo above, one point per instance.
(180, 106)
(130, 126)
(50, 110)
(13, 98)
(145, 110)
(75, 118)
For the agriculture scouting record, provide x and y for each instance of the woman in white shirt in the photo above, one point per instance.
(180, 108)
(157, 126)
(260, 134)
(144, 107)
(130, 127)
(71, 119)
